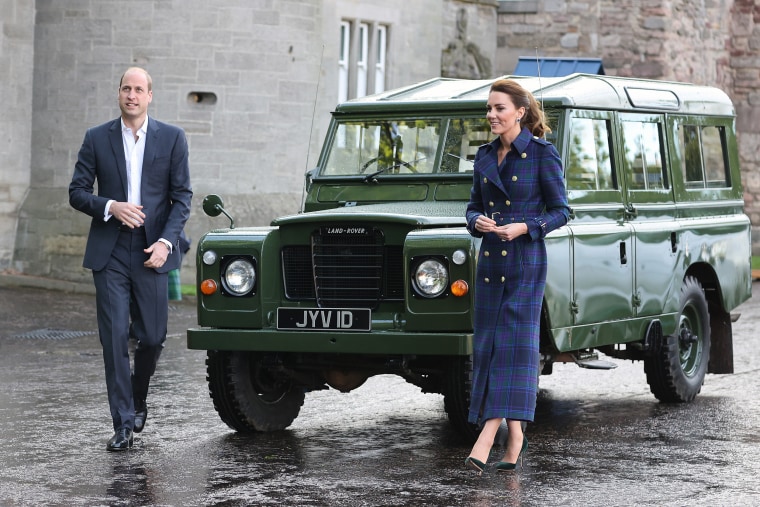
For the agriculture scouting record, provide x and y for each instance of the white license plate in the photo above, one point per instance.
(324, 319)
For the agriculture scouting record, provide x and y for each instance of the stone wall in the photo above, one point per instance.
(17, 63)
(265, 73)
(267, 76)
(714, 43)
(744, 48)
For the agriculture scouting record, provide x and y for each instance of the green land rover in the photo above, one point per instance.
(375, 274)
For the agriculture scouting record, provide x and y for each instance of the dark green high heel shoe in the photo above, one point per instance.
(506, 466)
(475, 464)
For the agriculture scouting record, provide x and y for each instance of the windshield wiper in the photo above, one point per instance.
(461, 158)
(369, 177)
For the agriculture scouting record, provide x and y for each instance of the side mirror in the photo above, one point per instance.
(213, 206)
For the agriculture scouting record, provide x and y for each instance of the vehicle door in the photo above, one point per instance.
(602, 270)
(650, 210)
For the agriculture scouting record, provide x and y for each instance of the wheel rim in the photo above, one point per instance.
(269, 389)
(689, 340)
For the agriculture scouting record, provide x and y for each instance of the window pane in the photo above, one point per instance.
(691, 156)
(643, 155)
(380, 60)
(361, 62)
(589, 166)
(403, 146)
(463, 138)
(343, 62)
(714, 157)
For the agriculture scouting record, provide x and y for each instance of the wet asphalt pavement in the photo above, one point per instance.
(600, 438)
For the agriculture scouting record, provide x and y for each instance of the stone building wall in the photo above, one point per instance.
(713, 43)
(265, 73)
(744, 61)
(17, 63)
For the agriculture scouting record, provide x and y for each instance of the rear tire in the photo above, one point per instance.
(247, 395)
(456, 398)
(676, 369)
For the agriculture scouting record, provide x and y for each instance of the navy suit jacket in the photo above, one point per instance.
(165, 188)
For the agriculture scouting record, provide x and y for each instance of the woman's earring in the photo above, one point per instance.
(518, 119)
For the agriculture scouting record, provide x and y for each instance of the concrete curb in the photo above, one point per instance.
(16, 280)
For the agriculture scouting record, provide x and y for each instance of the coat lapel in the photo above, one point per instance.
(490, 167)
(117, 145)
(149, 155)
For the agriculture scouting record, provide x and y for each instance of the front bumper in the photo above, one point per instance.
(378, 342)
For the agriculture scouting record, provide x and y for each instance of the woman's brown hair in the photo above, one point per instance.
(533, 119)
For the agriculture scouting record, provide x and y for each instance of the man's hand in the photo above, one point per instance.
(158, 252)
(128, 214)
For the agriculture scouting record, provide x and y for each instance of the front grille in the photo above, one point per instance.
(344, 270)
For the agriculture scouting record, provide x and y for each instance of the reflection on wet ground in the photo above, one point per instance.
(600, 438)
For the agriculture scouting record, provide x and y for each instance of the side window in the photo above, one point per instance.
(703, 160)
(589, 166)
(463, 138)
(691, 156)
(643, 155)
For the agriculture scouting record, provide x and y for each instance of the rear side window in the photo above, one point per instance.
(643, 155)
(589, 166)
(703, 156)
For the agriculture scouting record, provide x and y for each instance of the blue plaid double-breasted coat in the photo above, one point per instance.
(511, 275)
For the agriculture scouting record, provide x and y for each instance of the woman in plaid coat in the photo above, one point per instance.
(518, 196)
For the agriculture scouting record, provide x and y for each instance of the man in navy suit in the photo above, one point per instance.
(140, 167)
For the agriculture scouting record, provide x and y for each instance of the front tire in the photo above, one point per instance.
(456, 398)
(676, 369)
(247, 394)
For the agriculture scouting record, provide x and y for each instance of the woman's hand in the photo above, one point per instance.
(512, 231)
(484, 224)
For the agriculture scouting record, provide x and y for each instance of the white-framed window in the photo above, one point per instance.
(362, 58)
(343, 53)
(381, 44)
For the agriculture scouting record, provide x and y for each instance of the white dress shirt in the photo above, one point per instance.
(134, 151)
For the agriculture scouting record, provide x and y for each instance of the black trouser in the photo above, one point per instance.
(125, 282)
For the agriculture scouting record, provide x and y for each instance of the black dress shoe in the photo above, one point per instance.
(121, 440)
(141, 415)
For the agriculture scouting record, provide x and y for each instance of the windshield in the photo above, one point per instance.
(405, 146)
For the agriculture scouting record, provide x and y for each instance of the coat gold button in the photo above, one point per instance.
(502, 279)
(508, 202)
(524, 155)
(514, 178)
(485, 180)
(486, 253)
(503, 253)
(490, 203)
(487, 280)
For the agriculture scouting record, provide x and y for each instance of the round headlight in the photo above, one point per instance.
(239, 277)
(431, 278)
